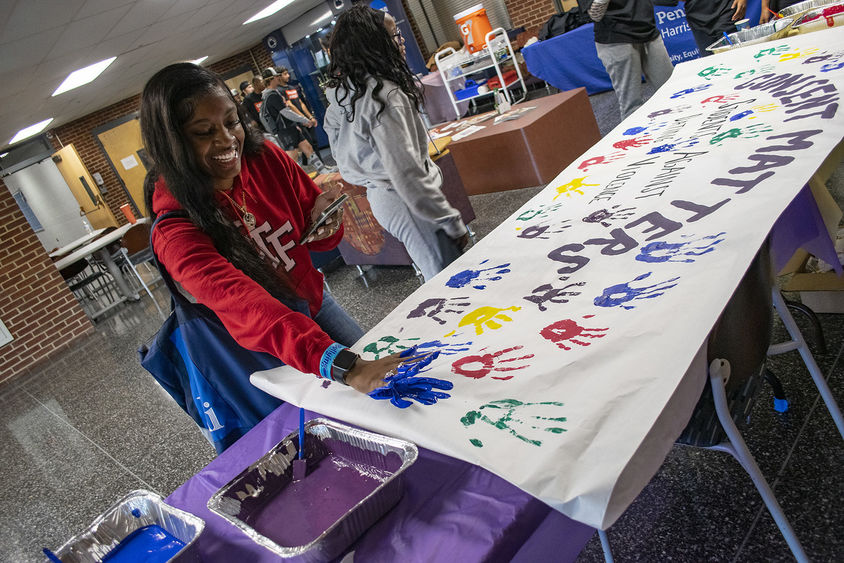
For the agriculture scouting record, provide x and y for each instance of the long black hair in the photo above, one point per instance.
(361, 47)
(167, 103)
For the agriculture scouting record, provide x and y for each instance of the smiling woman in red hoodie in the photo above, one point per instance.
(247, 205)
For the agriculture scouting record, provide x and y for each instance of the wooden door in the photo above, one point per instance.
(83, 187)
(125, 150)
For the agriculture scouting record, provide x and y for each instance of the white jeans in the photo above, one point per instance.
(626, 62)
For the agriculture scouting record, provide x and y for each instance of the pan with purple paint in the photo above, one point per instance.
(353, 478)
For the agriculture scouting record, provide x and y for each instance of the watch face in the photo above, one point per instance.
(345, 360)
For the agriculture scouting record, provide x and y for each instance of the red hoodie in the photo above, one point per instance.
(280, 196)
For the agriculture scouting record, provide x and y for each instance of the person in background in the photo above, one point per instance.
(629, 45)
(380, 142)
(282, 119)
(769, 6)
(709, 20)
(294, 95)
(252, 100)
(237, 250)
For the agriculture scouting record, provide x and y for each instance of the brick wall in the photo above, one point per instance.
(36, 306)
(35, 303)
(531, 14)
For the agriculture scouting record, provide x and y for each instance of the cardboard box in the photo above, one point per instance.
(823, 293)
(568, 4)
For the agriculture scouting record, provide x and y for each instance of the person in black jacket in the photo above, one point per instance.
(251, 92)
(629, 45)
(709, 20)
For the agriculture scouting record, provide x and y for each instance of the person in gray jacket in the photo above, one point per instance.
(379, 140)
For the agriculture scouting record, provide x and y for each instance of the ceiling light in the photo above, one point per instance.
(4, 155)
(83, 76)
(269, 10)
(30, 131)
(199, 60)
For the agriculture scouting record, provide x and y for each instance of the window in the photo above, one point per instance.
(27, 212)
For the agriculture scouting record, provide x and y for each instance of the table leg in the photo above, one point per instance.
(105, 256)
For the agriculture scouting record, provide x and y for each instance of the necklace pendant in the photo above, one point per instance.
(249, 220)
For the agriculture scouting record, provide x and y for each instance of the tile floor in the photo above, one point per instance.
(92, 426)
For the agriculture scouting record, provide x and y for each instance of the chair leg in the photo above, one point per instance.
(144, 285)
(418, 273)
(719, 373)
(798, 343)
(817, 330)
(605, 545)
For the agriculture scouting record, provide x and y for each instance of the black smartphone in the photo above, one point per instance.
(326, 213)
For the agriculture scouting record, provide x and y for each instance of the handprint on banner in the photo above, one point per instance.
(489, 317)
(444, 348)
(711, 72)
(405, 385)
(595, 160)
(573, 186)
(742, 114)
(388, 345)
(567, 330)
(433, 307)
(619, 294)
(687, 91)
(634, 143)
(650, 129)
(750, 72)
(720, 99)
(660, 112)
(478, 278)
(765, 108)
(661, 251)
(545, 231)
(605, 216)
(540, 212)
(749, 132)
(668, 147)
(481, 365)
(823, 57)
(546, 293)
(798, 54)
(832, 66)
(772, 51)
(525, 421)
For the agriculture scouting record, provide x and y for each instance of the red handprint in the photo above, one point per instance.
(625, 144)
(568, 330)
(488, 364)
(599, 160)
(720, 99)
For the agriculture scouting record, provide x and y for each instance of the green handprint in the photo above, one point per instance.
(507, 408)
(386, 345)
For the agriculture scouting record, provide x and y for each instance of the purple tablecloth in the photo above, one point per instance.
(450, 511)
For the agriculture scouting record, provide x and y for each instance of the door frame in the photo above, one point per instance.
(106, 127)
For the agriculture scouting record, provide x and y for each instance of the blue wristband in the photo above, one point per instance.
(327, 360)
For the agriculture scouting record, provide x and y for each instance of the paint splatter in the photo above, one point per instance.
(478, 278)
(573, 187)
(525, 421)
(387, 345)
(661, 251)
(546, 293)
(489, 317)
(636, 142)
(432, 308)
(687, 91)
(481, 365)
(619, 294)
(605, 216)
(567, 330)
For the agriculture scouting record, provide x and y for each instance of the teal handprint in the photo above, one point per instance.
(517, 419)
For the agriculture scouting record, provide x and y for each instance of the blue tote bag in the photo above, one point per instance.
(200, 365)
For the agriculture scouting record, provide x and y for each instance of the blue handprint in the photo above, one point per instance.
(442, 348)
(668, 147)
(404, 385)
(474, 277)
(617, 295)
(661, 251)
(690, 91)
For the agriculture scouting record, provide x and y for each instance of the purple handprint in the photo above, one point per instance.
(619, 294)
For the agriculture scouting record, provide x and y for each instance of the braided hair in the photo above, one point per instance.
(167, 102)
(360, 48)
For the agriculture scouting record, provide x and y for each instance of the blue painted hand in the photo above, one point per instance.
(405, 385)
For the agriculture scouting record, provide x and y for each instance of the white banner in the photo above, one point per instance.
(568, 330)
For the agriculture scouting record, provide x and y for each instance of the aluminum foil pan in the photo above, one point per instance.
(304, 519)
(132, 512)
(801, 7)
(814, 20)
(774, 29)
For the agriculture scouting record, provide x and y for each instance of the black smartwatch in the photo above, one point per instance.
(343, 362)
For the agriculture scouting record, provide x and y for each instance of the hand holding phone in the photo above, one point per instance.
(332, 208)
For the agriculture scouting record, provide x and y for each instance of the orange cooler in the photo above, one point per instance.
(473, 25)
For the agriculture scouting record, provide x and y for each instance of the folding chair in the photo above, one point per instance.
(92, 285)
(134, 251)
(737, 349)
